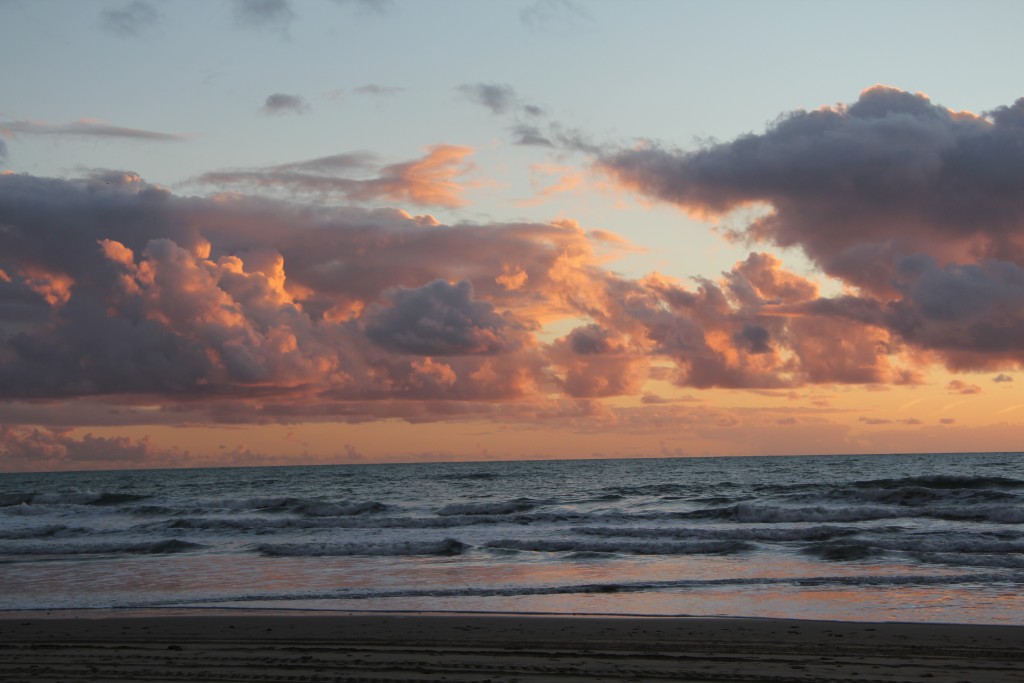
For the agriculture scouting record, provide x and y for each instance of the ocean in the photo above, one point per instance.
(919, 538)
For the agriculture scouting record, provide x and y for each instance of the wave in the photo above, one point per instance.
(815, 533)
(909, 496)
(1007, 561)
(303, 506)
(35, 532)
(621, 547)
(470, 476)
(767, 513)
(111, 548)
(843, 551)
(447, 546)
(617, 587)
(506, 507)
(943, 481)
(68, 498)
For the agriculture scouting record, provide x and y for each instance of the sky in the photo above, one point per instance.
(251, 232)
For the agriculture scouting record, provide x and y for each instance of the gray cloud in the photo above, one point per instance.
(281, 103)
(379, 90)
(284, 311)
(428, 181)
(370, 6)
(591, 339)
(129, 20)
(753, 338)
(499, 98)
(1002, 377)
(274, 15)
(858, 187)
(438, 319)
(550, 14)
(84, 128)
(3, 152)
(531, 135)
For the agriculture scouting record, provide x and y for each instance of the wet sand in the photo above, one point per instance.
(415, 647)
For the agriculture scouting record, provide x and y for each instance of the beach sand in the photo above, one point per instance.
(409, 647)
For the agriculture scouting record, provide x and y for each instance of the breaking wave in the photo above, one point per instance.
(161, 547)
(448, 546)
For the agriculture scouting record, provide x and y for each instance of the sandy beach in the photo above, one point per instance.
(403, 647)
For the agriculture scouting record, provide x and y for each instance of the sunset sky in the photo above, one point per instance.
(288, 232)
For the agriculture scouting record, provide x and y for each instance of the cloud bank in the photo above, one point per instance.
(319, 300)
(916, 207)
(84, 128)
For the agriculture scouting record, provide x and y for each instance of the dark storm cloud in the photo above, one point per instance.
(84, 128)
(130, 19)
(858, 187)
(438, 319)
(281, 103)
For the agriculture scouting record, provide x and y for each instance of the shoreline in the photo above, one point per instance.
(297, 612)
(311, 646)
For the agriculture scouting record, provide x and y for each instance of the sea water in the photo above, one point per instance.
(895, 537)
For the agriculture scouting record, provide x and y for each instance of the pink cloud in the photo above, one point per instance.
(235, 309)
(432, 180)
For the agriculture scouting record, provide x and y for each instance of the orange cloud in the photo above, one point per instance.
(431, 180)
(243, 310)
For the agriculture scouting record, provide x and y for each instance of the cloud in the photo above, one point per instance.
(32, 449)
(531, 136)
(858, 187)
(370, 6)
(549, 14)
(130, 19)
(85, 128)
(918, 209)
(276, 15)
(237, 309)
(499, 98)
(429, 181)
(3, 152)
(1002, 377)
(373, 89)
(281, 103)
(438, 319)
(957, 386)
